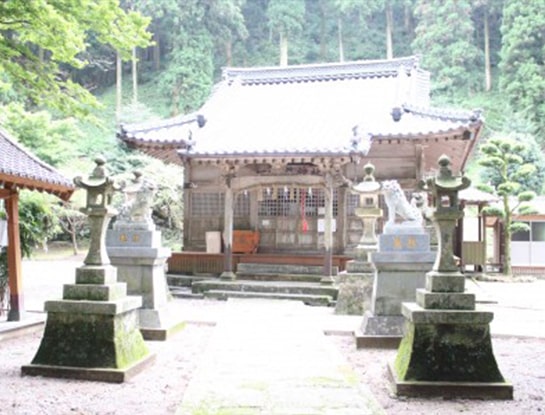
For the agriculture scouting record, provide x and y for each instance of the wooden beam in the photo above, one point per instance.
(5, 193)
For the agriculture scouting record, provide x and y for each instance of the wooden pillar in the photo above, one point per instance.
(342, 220)
(254, 208)
(328, 236)
(15, 280)
(228, 273)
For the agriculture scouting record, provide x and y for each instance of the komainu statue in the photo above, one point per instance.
(399, 205)
(135, 212)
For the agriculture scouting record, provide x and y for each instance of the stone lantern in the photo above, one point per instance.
(100, 189)
(356, 284)
(92, 333)
(368, 211)
(446, 350)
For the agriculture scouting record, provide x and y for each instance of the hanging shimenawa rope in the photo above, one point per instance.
(304, 223)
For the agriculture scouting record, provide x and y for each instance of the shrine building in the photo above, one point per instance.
(269, 157)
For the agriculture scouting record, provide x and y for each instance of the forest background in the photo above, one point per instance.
(72, 71)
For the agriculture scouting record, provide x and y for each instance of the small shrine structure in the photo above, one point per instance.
(20, 169)
(273, 149)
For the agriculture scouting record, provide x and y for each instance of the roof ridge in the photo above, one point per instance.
(445, 113)
(320, 71)
(154, 124)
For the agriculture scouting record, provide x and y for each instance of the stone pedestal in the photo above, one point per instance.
(402, 260)
(140, 260)
(447, 350)
(92, 333)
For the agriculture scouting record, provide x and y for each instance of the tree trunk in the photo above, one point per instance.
(507, 269)
(407, 17)
(389, 29)
(283, 50)
(134, 77)
(323, 42)
(487, 66)
(340, 37)
(74, 239)
(118, 88)
(228, 52)
(156, 55)
(176, 99)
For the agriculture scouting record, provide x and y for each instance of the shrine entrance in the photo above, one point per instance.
(291, 219)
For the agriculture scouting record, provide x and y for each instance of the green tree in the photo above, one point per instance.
(197, 29)
(501, 157)
(53, 141)
(445, 38)
(523, 60)
(487, 18)
(40, 41)
(286, 18)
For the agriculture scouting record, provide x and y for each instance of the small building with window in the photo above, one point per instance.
(527, 248)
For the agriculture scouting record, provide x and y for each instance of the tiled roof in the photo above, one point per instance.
(472, 195)
(20, 168)
(319, 72)
(311, 109)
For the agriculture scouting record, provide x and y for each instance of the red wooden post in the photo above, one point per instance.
(14, 258)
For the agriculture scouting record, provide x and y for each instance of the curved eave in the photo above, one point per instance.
(466, 132)
(62, 191)
(162, 150)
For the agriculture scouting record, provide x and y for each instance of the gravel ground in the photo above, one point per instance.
(157, 390)
(521, 362)
(160, 388)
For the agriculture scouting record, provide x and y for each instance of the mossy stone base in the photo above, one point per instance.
(91, 340)
(450, 390)
(446, 353)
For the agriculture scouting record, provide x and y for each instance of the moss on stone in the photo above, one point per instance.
(91, 341)
(447, 352)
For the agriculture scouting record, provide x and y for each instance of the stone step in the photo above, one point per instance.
(308, 299)
(257, 268)
(266, 287)
(174, 280)
(185, 292)
(278, 277)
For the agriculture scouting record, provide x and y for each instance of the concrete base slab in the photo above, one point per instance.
(161, 333)
(376, 341)
(13, 329)
(450, 390)
(110, 375)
